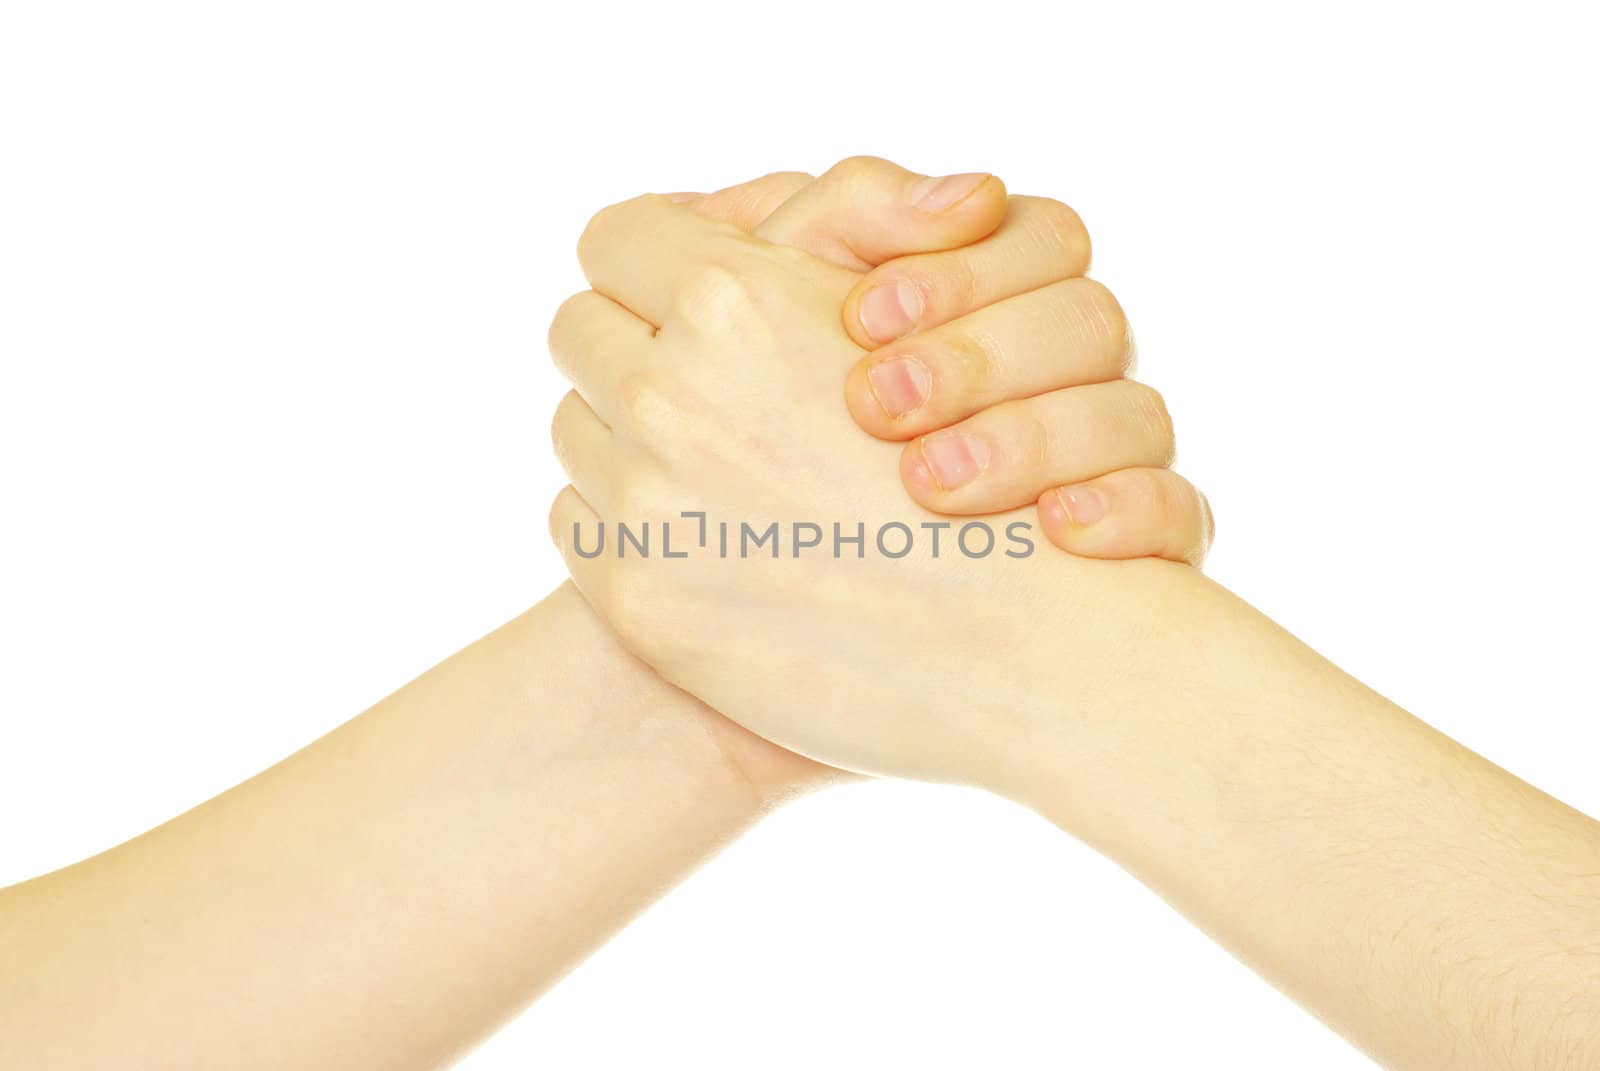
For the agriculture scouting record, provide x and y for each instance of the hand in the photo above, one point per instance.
(729, 409)
(1002, 338)
(1309, 825)
(856, 211)
(864, 210)
(1017, 364)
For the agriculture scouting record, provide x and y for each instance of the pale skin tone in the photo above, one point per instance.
(393, 892)
(400, 887)
(1434, 909)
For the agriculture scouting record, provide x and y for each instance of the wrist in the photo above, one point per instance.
(1375, 870)
(642, 709)
(1186, 688)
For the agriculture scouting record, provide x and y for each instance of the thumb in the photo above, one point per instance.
(865, 211)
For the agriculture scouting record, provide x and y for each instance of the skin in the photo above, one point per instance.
(396, 890)
(1428, 905)
(1002, 330)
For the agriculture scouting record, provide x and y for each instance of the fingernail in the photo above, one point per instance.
(890, 310)
(901, 384)
(1082, 505)
(955, 460)
(939, 194)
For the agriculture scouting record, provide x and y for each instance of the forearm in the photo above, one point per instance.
(391, 893)
(1428, 905)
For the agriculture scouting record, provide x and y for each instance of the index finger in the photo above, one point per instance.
(1040, 241)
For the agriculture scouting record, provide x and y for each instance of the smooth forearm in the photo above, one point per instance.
(1433, 908)
(388, 895)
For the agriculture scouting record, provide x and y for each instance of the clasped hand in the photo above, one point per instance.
(869, 633)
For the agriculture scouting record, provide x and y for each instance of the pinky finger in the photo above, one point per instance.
(1130, 513)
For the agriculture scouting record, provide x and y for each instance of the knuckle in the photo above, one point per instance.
(1106, 325)
(1159, 505)
(714, 294)
(647, 399)
(853, 171)
(1208, 521)
(783, 181)
(970, 363)
(595, 232)
(555, 518)
(1140, 497)
(1163, 499)
(1153, 422)
(568, 410)
(1035, 440)
(1182, 511)
(563, 326)
(1063, 228)
(563, 517)
(558, 424)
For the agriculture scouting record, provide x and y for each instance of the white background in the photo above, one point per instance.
(274, 280)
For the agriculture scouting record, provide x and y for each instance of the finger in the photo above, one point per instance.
(864, 211)
(748, 204)
(1039, 242)
(642, 252)
(1009, 454)
(1131, 513)
(584, 445)
(597, 344)
(1066, 334)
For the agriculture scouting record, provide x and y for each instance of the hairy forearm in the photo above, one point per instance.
(1433, 908)
(390, 894)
